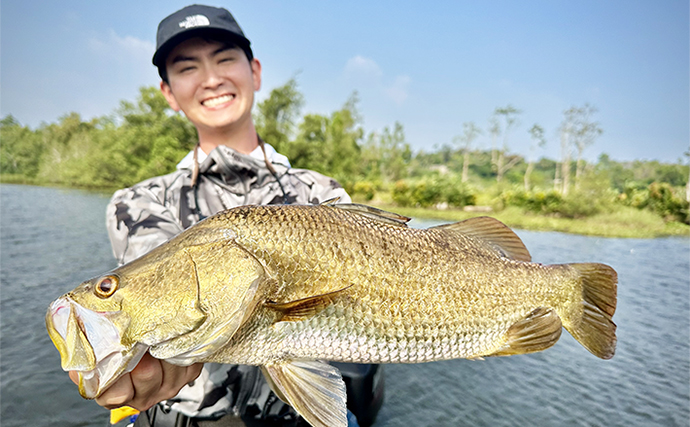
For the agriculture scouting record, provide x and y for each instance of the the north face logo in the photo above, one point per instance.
(195, 21)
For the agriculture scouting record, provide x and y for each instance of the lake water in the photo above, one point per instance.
(52, 239)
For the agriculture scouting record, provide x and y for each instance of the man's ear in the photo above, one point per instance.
(256, 73)
(167, 93)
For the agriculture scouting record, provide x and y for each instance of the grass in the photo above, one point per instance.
(623, 222)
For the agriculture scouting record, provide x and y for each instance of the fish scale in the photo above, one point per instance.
(288, 287)
(428, 306)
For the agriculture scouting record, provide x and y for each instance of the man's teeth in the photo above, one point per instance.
(217, 101)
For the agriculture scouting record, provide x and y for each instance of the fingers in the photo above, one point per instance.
(118, 394)
(150, 382)
(147, 379)
(176, 377)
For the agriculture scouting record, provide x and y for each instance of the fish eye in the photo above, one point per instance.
(106, 286)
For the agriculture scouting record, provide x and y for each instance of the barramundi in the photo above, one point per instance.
(289, 288)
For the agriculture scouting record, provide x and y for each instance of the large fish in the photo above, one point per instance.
(290, 287)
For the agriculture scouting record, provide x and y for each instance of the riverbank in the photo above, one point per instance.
(625, 222)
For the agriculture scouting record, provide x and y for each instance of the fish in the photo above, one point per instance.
(290, 288)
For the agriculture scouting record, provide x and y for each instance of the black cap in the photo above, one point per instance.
(192, 21)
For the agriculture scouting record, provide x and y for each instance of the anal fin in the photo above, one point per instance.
(315, 389)
(538, 331)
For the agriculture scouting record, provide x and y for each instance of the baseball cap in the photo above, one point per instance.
(193, 21)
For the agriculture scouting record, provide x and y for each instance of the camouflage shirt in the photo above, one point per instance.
(144, 216)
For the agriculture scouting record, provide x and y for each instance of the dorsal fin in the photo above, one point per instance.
(330, 202)
(375, 214)
(493, 232)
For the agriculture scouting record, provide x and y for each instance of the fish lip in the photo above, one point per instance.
(68, 334)
(98, 336)
(93, 382)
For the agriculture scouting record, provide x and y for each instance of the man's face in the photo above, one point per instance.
(212, 83)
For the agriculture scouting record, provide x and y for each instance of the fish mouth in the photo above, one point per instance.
(90, 343)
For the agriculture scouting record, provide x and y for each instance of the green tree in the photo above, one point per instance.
(330, 145)
(387, 155)
(586, 132)
(469, 134)
(151, 139)
(21, 148)
(508, 115)
(567, 129)
(578, 131)
(538, 140)
(276, 116)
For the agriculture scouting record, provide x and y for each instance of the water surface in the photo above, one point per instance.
(52, 239)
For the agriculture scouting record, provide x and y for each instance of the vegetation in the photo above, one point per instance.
(453, 181)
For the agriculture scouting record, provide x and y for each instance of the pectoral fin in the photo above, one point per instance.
(538, 331)
(315, 389)
(304, 308)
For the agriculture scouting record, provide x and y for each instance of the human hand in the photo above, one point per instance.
(151, 381)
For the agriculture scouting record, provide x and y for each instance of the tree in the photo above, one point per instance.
(508, 115)
(329, 145)
(578, 131)
(494, 131)
(21, 148)
(150, 141)
(687, 185)
(387, 155)
(276, 116)
(470, 133)
(567, 129)
(538, 140)
(586, 131)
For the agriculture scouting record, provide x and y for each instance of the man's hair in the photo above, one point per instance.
(163, 72)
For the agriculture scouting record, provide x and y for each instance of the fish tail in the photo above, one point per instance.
(595, 330)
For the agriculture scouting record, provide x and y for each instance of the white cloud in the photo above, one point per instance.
(398, 91)
(127, 48)
(368, 76)
(361, 68)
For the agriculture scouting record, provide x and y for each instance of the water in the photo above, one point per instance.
(53, 239)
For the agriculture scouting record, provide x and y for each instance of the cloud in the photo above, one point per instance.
(398, 91)
(359, 67)
(123, 49)
(367, 76)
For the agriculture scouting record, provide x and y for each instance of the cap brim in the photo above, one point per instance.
(161, 54)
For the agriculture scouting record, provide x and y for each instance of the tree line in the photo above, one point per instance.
(146, 138)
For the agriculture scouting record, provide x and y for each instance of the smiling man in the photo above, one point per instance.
(209, 73)
(213, 83)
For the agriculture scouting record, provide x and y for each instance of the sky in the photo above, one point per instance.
(429, 65)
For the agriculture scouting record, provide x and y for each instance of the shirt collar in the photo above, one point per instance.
(273, 156)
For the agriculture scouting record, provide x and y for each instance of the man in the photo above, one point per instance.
(209, 73)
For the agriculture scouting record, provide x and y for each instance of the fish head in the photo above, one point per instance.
(89, 343)
(104, 326)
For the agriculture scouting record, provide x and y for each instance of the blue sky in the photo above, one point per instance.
(429, 65)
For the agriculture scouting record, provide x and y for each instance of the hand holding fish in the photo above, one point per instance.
(152, 381)
(288, 288)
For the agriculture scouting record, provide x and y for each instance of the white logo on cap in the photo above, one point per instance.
(195, 21)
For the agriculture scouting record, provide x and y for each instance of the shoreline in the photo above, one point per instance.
(624, 222)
